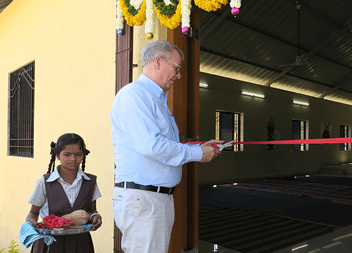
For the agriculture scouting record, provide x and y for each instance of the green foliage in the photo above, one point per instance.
(12, 248)
(167, 10)
(131, 10)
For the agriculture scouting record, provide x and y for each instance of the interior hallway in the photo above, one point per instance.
(274, 214)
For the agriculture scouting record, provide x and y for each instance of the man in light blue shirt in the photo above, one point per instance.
(148, 153)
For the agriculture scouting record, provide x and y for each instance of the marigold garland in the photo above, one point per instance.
(169, 12)
(131, 19)
(210, 5)
(170, 22)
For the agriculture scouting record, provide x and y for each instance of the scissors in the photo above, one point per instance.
(215, 145)
(225, 145)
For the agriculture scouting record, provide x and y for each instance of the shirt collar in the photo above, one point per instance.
(55, 175)
(153, 87)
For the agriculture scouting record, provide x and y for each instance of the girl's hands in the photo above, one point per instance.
(96, 221)
(33, 215)
(34, 222)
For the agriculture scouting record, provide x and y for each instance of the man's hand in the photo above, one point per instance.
(209, 153)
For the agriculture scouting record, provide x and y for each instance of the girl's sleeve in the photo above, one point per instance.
(96, 193)
(39, 194)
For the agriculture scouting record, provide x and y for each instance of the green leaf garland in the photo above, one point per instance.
(167, 10)
(131, 9)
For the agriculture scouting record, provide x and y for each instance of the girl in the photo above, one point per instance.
(63, 190)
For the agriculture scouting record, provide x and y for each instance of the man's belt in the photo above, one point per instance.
(152, 188)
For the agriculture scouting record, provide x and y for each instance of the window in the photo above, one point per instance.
(345, 132)
(21, 112)
(229, 126)
(300, 130)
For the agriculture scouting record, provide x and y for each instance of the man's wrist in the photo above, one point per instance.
(196, 153)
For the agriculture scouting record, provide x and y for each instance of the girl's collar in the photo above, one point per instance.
(55, 174)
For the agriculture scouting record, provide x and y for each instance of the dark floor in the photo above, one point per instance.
(266, 215)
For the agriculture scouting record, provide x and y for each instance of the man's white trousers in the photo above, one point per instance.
(145, 219)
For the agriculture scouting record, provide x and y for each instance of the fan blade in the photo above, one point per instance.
(297, 63)
(298, 60)
(286, 65)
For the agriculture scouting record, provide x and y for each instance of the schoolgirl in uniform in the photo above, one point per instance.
(63, 190)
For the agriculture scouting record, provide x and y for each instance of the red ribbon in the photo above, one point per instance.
(309, 141)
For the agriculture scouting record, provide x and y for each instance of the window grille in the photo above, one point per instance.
(229, 126)
(21, 111)
(345, 132)
(300, 130)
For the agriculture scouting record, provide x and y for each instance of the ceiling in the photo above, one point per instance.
(252, 46)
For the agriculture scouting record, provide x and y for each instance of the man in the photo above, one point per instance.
(148, 154)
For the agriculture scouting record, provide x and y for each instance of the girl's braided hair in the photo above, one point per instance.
(66, 139)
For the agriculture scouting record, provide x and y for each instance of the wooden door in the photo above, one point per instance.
(124, 61)
(183, 102)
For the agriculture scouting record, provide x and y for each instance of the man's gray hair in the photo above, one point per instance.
(159, 47)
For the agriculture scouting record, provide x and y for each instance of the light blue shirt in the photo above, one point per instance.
(146, 138)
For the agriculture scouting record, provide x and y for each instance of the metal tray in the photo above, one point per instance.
(71, 231)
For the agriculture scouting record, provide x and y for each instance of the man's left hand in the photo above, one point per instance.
(209, 152)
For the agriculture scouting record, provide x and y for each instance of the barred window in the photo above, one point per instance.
(228, 127)
(300, 131)
(21, 112)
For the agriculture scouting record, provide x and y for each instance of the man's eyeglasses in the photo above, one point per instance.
(178, 69)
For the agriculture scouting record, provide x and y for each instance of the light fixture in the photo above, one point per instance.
(331, 245)
(253, 94)
(203, 85)
(216, 247)
(341, 237)
(300, 103)
(300, 247)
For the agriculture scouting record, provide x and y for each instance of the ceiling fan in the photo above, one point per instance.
(298, 61)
